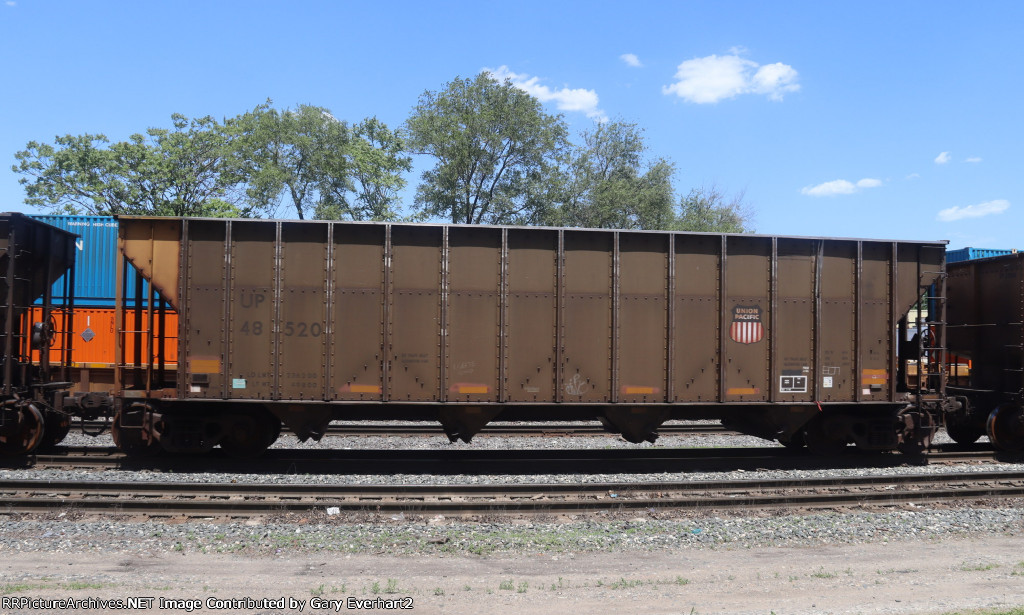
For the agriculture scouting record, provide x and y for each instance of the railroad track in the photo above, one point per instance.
(156, 499)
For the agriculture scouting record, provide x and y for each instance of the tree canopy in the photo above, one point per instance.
(246, 166)
(608, 185)
(494, 148)
(184, 171)
(709, 210)
(497, 158)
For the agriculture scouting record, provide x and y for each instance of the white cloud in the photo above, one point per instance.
(565, 99)
(943, 158)
(988, 208)
(774, 79)
(914, 176)
(631, 60)
(11, 3)
(840, 186)
(714, 78)
(832, 188)
(972, 159)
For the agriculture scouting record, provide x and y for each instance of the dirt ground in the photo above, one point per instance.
(898, 577)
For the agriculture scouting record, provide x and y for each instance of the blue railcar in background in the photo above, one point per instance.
(970, 254)
(96, 264)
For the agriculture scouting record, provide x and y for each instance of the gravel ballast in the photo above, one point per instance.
(608, 531)
(909, 559)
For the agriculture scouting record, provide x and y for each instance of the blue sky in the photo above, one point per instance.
(854, 119)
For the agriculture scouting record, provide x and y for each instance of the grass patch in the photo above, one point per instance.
(624, 584)
(897, 571)
(977, 567)
(80, 585)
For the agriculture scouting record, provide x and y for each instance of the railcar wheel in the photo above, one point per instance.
(57, 426)
(129, 440)
(916, 431)
(1005, 427)
(964, 432)
(794, 442)
(820, 441)
(246, 435)
(275, 429)
(26, 434)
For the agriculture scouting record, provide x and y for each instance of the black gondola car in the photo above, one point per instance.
(35, 338)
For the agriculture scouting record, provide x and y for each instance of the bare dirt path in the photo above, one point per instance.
(895, 577)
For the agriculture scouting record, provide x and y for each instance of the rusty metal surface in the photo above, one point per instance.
(587, 317)
(473, 317)
(306, 311)
(531, 342)
(358, 315)
(986, 322)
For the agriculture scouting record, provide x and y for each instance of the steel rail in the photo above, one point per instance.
(234, 499)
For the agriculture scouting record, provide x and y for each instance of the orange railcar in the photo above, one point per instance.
(94, 334)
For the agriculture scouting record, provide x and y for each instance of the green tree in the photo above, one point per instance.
(378, 163)
(321, 166)
(299, 156)
(606, 185)
(495, 152)
(709, 210)
(183, 171)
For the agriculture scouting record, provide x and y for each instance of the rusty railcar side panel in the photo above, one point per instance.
(253, 362)
(986, 318)
(746, 310)
(203, 345)
(309, 311)
(473, 317)
(877, 327)
(415, 296)
(531, 314)
(696, 318)
(642, 339)
(836, 380)
(304, 272)
(153, 247)
(357, 321)
(918, 266)
(793, 334)
(587, 335)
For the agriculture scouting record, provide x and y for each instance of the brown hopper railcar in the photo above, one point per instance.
(33, 255)
(986, 327)
(302, 323)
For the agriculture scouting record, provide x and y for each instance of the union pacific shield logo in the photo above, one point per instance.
(746, 324)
